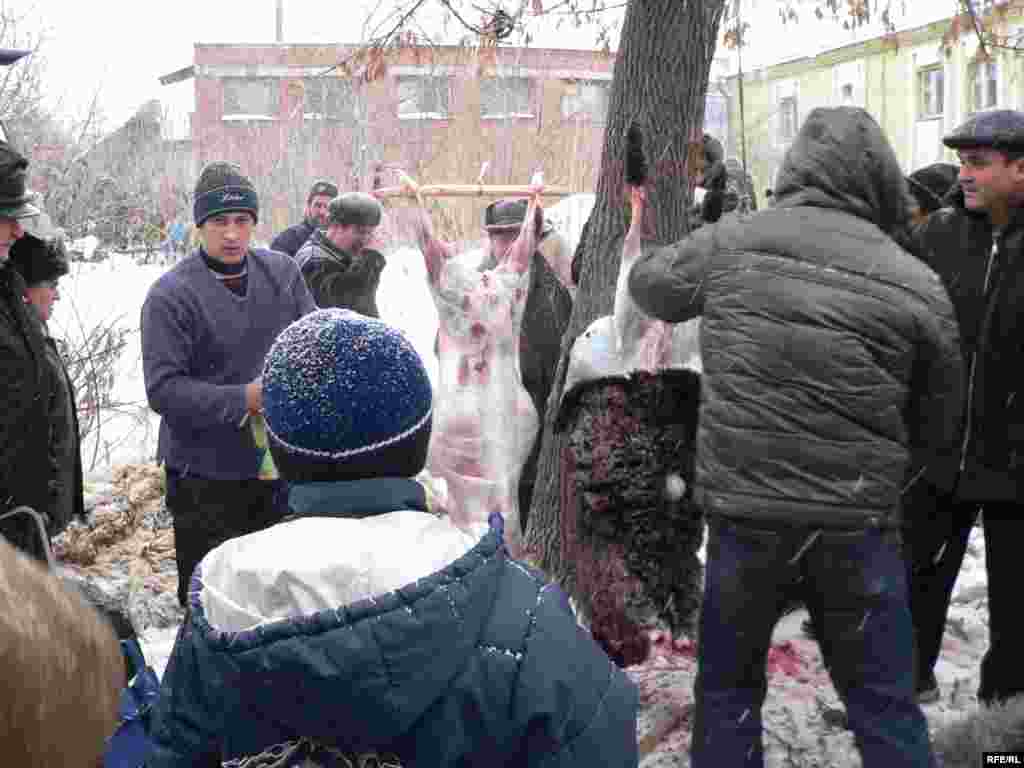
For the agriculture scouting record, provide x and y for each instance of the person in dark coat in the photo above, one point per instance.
(364, 624)
(545, 320)
(42, 263)
(26, 474)
(929, 187)
(337, 263)
(832, 381)
(976, 244)
(207, 324)
(314, 217)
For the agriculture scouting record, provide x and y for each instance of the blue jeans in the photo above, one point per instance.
(856, 590)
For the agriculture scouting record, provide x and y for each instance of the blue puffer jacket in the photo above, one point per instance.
(480, 663)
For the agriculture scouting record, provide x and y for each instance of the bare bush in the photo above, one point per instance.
(92, 354)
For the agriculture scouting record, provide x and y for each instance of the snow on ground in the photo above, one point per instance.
(800, 693)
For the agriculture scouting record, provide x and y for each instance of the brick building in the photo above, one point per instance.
(291, 113)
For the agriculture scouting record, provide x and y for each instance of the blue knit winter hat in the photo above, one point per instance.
(345, 397)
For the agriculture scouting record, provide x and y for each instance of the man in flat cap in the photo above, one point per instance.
(25, 469)
(315, 217)
(339, 267)
(977, 247)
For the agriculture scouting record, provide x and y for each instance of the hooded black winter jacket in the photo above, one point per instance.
(831, 355)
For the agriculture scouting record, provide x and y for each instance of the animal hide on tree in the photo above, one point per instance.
(630, 534)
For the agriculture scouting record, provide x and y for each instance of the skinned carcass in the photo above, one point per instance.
(485, 422)
(630, 528)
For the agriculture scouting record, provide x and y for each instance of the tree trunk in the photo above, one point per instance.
(660, 81)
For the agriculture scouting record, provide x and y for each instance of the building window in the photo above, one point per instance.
(931, 87)
(423, 96)
(250, 98)
(505, 97)
(788, 121)
(328, 98)
(986, 85)
(586, 99)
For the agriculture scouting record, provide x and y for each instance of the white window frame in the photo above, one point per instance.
(787, 107)
(273, 86)
(784, 91)
(849, 74)
(975, 68)
(502, 82)
(421, 78)
(350, 113)
(576, 106)
(940, 95)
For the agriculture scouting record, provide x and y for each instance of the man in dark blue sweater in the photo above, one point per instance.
(206, 326)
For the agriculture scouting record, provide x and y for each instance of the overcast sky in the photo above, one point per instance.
(122, 47)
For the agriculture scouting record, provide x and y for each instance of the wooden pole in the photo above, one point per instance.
(471, 190)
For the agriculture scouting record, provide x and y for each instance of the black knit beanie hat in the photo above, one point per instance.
(929, 185)
(345, 397)
(222, 188)
(39, 260)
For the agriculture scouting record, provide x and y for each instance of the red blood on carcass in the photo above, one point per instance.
(785, 659)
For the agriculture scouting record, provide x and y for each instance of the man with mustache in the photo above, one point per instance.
(976, 246)
(320, 195)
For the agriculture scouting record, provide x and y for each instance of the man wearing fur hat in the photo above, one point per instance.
(206, 325)
(315, 217)
(364, 623)
(339, 267)
(25, 469)
(977, 247)
(41, 264)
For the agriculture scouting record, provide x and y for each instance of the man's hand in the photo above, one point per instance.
(254, 396)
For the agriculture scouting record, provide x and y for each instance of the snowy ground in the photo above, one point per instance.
(797, 731)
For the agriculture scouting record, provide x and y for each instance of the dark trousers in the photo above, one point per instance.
(936, 532)
(208, 512)
(1002, 672)
(858, 583)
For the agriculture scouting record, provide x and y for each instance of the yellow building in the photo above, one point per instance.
(919, 84)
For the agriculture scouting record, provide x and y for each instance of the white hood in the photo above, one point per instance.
(322, 563)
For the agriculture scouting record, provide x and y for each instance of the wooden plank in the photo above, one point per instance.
(471, 190)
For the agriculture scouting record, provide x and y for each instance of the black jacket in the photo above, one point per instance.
(290, 240)
(67, 499)
(831, 355)
(25, 386)
(963, 248)
(336, 279)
